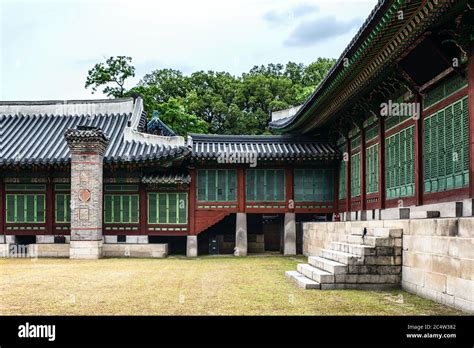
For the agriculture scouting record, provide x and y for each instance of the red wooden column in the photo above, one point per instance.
(3, 208)
(143, 208)
(336, 190)
(348, 176)
(289, 189)
(381, 162)
(363, 190)
(192, 202)
(241, 189)
(50, 202)
(470, 73)
(419, 155)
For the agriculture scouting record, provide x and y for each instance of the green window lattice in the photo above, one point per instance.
(63, 208)
(265, 185)
(216, 185)
(355, 175)
(25, 208)
(372, 168)
(121, 209)
(314, 185)
(446, 148)
(167, 208)
(400, 164)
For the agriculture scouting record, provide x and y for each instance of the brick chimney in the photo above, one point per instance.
(87, 146)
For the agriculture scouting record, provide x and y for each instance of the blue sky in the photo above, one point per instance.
(47, 46)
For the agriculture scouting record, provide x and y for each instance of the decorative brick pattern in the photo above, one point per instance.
(87, 147)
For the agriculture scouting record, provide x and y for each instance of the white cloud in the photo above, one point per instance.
(57, 41)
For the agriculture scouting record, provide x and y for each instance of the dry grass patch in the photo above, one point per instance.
(179, 286)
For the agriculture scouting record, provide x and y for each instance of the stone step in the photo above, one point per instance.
(430, 214)
(316, 274)
(327, 265)
(371, 241)
(384, 232)
(356, 249)
(302, 281)
(340, 256)
(368, 278)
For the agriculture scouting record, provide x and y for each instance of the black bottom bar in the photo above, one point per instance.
(209, 331)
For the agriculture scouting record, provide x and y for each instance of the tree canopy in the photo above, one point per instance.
(217, 102)
(113, 72)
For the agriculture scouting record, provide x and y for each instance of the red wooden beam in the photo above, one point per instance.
(336, 189)
(363, 181)
(192, 202)
(241, 189)
(289, 190)
(143, 209)
(470, 74)
(50, 205)
(381, 163)
(348, 175)
(418, 148)
(3, 208)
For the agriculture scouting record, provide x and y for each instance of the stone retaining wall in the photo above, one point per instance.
(135, 250)
(438, 261)
(438, 254)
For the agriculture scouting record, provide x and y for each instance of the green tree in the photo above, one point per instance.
(165, 84)
(111, 74)
(227, 104)
(175, 116)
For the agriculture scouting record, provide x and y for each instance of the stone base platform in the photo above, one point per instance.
(135, 250)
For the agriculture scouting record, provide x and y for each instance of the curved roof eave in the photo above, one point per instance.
(292, 122)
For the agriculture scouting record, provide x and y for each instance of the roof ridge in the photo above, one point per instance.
(253, 138)
(64, 101)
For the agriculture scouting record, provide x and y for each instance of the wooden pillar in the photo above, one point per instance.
(348, 175)
(336, 189)
(143, 204)
(192, 202)
(363, 190)
(382, 163)
(50, 205)
(289, 189)
(418, 148)
(471, 120)
(241, 189)
(3, 207)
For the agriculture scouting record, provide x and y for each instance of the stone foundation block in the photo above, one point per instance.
(45, 239)
(85, 249)
(191, 246)
(241, 235)
(10, 239)
(125, 250)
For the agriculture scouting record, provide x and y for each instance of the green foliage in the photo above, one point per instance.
(227, 104)
(114, 72)
(174, 115)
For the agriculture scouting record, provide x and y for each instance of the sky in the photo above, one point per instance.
(48, 46)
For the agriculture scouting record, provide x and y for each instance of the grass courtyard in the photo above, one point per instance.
(180, 286)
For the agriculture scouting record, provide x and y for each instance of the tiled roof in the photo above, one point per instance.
(206, 146)
(29, 138)
(157, 126)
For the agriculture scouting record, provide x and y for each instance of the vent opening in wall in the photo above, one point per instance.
(121, 239)
(25, 240)
(59, 240)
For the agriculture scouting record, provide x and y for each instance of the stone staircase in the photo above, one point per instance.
(370, 262)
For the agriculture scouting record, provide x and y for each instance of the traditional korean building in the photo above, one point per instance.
(387, 134)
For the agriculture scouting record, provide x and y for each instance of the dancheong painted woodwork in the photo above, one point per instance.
(348, 148)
